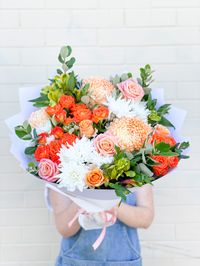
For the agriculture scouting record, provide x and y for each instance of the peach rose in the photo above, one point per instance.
(131, 89)
(95, 178)
(105, 143)
(86, 128)
(48, 170)
(99, 89)
(162, 130)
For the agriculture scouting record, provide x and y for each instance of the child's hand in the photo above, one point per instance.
(97, 220)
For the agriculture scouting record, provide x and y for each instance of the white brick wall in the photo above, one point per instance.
(108, 36)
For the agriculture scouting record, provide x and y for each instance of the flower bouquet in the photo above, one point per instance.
(96, 140)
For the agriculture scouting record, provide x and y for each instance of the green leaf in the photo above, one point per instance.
(151, 103)
(162, 147)
(130, 173)
(30, 150)
(130, 75)
(85, 89)
(27, 137)
(40, 101)
(145, 170)
(151, 162)
(124, 77)
(164, 109)
(59, 71)
(29, 129)
(61, 60)
(184, 145)
(32, 168)
(71, 82)
(165, 122)
(20, 132)
(23, 131)
(119, 190)
(65, 51)
(70, 63)
(168, 153)
(115, 80)
(35, 134)
(184, 156)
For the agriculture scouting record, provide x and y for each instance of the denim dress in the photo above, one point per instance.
(120, 246)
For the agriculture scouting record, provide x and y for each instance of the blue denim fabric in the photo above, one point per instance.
(120, 246)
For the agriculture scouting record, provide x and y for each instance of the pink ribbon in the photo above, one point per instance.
(80, 211)
(105, 216)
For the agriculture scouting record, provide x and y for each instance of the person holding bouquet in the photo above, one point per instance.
(95, 137)
(120, 247)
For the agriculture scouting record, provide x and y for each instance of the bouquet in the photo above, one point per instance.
(91, 138)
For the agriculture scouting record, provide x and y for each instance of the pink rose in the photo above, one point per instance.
(105, 143)
(131, 89)
(47, 170)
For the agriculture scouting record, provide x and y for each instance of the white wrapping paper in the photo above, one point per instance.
(90, 200)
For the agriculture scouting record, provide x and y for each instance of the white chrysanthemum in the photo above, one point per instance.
(127, 108)
(73, 175)
(75, 162)
(83, 151)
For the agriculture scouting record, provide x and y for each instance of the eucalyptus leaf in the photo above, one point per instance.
(65, 51)
(30, 150)
(145, 170)
(70, 63)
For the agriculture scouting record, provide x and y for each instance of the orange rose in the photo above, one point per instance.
(160, 138)
(81, 112)
(41, 152)
(42, 137)
(86, 128)
(57, 132)
(54, 148)
(67, 101)
(60, 116)
(100, 113)
(173, 161)
(68, 121)
(161, 169)
(95, 178)
(53, 110)
(68, 138)
(166, 163)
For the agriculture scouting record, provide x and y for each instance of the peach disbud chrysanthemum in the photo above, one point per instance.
(99, 89)
(131, 133)
(40, 121)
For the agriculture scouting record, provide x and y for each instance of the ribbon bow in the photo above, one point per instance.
(108, 217)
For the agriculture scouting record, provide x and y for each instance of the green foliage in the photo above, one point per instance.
(146, 78)
(120, 165)
(30, 150)
(117, 79)
(180, 147)
(63, 83)
(41, 101)
(63, 57)
(24, 131)
(157, 115)
(163, 149)
(32, 168)
(120, 191)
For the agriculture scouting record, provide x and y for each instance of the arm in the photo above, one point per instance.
(64, 210)
(140, 216)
